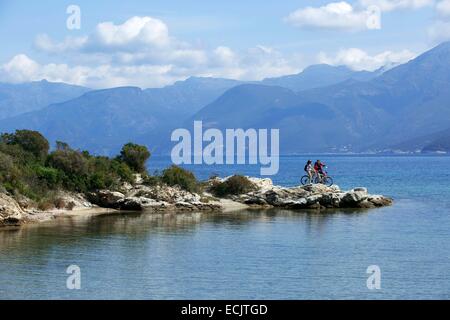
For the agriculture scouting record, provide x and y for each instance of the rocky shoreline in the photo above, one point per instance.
(163, 198)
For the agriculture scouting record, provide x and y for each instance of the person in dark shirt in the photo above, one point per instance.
(318, 168)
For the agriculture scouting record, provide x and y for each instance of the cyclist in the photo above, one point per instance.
(309, 169)
(318, 168)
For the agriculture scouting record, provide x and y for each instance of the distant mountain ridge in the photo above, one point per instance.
(20, 98)
(322, 109)
(434, 142)
(320, 75)
(102, 120)
(406, 101)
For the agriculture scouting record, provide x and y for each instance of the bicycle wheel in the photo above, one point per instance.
(328, 181)
(305, 180)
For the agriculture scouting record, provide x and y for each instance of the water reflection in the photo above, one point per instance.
(248, 254)
(139, 225)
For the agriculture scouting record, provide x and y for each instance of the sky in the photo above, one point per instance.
(154, 43)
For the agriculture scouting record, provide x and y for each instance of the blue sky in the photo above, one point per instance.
(154, 43)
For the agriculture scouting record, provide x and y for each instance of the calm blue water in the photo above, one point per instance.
(273, 254)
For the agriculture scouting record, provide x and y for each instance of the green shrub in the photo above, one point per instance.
(69, 161)
(26, 168)
(135, 156)
(9, 171)
(50, 176)
(122, 170)
(17, 153)
(178, 176)
(234, 185)
(31, 141)
(152, 180)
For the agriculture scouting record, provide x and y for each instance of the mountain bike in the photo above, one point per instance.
(326, 180)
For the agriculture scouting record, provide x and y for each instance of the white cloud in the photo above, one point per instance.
(253, 64)
(224, 56)
(44, 43)
(21, 68)
(439, 31)
(335, 15)
(136, 35)
(358, 59)
(142, 52)
(443, 8)
(146, 31)
(390, 5)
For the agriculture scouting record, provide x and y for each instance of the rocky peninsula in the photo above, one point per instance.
(39, 184)
(137, 196)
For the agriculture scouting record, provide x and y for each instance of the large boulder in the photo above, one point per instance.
(261, 184)
(379, 201)
(73, 201)
(106, 198)
(196, 206)
(142, 203)
(332, 199)
(164, 193)
(10, 212)
(353, 198)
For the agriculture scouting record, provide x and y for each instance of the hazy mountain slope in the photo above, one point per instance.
(102, 120)
(430, 142)
(187, 97)
(407, 101)
(308, 122)
(441, 143)
(320, 75)
(99, 121)
(16, 99)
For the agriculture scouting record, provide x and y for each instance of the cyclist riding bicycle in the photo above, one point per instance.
(318, 168)
(309, 169)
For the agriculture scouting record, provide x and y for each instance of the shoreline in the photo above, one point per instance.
(165, 199)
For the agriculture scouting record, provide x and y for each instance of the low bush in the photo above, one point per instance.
(175, 175)
(46, 204)
(153, 180)
(70, 205)
(50, 176)
(59, 203)
(234, 185)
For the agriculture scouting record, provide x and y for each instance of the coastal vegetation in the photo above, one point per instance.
(35, 179)
(29, 169)
(235, 185)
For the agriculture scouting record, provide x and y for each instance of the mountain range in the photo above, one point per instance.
(406, 102)
(19, 98)
(322, 109)
(320, 75)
